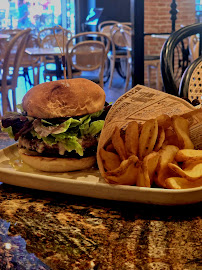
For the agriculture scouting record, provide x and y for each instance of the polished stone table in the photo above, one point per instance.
(44, 230)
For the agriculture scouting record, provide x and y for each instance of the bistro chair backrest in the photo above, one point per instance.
(46, 36)
(15, 50)
(167, 58)
(191, 83)
(105, 26)
(88, 53)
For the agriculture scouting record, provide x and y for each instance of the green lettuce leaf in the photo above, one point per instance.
(9, 131)
(96, 127)
(71, 143)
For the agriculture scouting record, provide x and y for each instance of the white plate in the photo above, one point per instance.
(87, 183)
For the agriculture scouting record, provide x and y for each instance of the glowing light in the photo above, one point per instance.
(8, 245)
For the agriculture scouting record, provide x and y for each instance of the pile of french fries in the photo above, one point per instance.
(158, 153)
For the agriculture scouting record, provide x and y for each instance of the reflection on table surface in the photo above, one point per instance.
(43, 230)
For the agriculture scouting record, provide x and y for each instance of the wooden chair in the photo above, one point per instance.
(46, 38)
(191, 82)
(105, 26)
(123, 32)
(30, 62)
(9, 81)
(168, 56)
(88, 53)
(120, 49)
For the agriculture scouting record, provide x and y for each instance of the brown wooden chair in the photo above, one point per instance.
(120, 49)
(105, 27)
(49, 38)
(12, 60)
(151, 61)
(29, 62)
(88, 53)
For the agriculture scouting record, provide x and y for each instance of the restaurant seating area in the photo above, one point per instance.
(106, 176)
(97, 56)
(110, 52)
(109, 49)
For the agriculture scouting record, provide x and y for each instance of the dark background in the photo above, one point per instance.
(113, 10)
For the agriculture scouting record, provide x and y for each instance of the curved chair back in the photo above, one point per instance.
(13, 57)
(46, 32)
(105, 26)
(87, 54)
(167, 55)
(191, 83)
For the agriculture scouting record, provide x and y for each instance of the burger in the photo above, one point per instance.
(59, 125)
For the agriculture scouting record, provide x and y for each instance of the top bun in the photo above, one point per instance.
(63, 98)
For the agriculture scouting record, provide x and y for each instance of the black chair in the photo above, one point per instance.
(177, 40)
(191, 83)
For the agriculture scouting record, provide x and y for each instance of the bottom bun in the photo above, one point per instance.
(55, 164)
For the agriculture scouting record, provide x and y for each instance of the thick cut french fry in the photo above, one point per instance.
(110, 160)
(110, 148)
(188, 155)
(182, 183)
(164, 121)
(125, 174)
(118, 144)
(192, 173)
(181, 127)
(170, 138)
(140, 178)
(131, 139)
(160, 139)
(166, 155)
(148, 137)
(149, 166)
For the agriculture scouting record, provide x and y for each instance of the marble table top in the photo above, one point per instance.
(44, 230)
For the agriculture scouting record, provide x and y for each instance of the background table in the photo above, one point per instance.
(4, 36)
(43, 230)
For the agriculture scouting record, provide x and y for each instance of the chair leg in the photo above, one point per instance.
(128, 74)
(5, 102)
(112, 66)
(36, 75)
(14, 100)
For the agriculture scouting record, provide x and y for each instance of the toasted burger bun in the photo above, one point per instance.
(51, 164)
(64, 98)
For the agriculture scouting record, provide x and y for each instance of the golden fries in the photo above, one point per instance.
(167, 155)
(118, 144)
(188, 154)
(181, 127)
(126, 173)
(157, 153)
(149, 165)
(132, 139)
(148, 137)
(192, 172)
(160, 139)
(111, 161)
(182, 183)
(164, 121)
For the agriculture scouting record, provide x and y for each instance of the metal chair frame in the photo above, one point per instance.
(167, 55)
